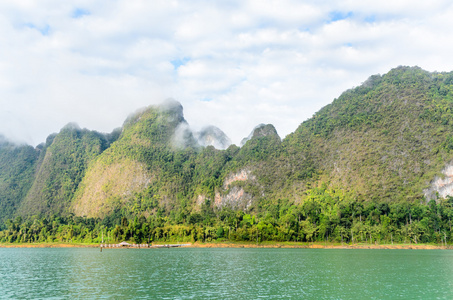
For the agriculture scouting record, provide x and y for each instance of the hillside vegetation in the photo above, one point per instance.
(386, 139)
(61, 167)
(17, 170)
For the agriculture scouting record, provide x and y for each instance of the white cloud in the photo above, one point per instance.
(232, 64)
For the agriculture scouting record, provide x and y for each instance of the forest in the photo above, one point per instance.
(327, 216)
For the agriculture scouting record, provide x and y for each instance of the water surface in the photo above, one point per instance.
(225, 273)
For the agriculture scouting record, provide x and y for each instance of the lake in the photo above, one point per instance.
(225, 273)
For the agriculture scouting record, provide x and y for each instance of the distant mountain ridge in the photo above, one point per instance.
(389, 139)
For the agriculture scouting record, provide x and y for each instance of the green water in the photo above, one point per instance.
(188, 273)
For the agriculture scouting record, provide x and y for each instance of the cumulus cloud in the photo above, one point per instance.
(232, 64)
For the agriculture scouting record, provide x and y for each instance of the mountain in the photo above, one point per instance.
(141, 167)
(60, 168)
(390, 140)
(387, 139)
(213, 136)
(260, 131)
(17, 171)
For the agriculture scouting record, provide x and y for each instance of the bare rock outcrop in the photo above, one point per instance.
(441, 186)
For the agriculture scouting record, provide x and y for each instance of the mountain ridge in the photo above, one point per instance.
(386, 140)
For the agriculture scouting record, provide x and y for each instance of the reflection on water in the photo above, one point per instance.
(188, 273)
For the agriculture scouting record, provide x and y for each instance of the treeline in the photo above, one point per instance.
(325, 215)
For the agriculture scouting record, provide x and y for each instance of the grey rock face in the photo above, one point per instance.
(441, 186)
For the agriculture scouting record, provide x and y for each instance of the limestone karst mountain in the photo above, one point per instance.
(260, 131)
(389, 139)
(213, 136)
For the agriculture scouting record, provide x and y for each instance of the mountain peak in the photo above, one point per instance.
(71, 126)
(171, 104)
(213, 136)
(170, 108)
(261, 130)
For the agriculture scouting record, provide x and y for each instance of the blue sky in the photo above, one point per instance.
(232, 64)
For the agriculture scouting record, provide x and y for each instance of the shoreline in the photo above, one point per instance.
(322, 246)
(48, 245)
(287, 245)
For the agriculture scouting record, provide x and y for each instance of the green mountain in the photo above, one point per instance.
(389, 140)
(142, 169)
(386, 139)
(17, 171)
(60, 168)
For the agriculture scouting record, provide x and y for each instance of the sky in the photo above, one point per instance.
(232, 64)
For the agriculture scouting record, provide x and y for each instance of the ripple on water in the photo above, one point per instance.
(225, 273)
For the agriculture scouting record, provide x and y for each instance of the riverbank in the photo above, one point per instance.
(248, 245)
(321, 246)
(48, 245)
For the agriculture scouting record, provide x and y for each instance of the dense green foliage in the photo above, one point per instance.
(62, 166)
(327, 215)
(386, 139)
(17, 167)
